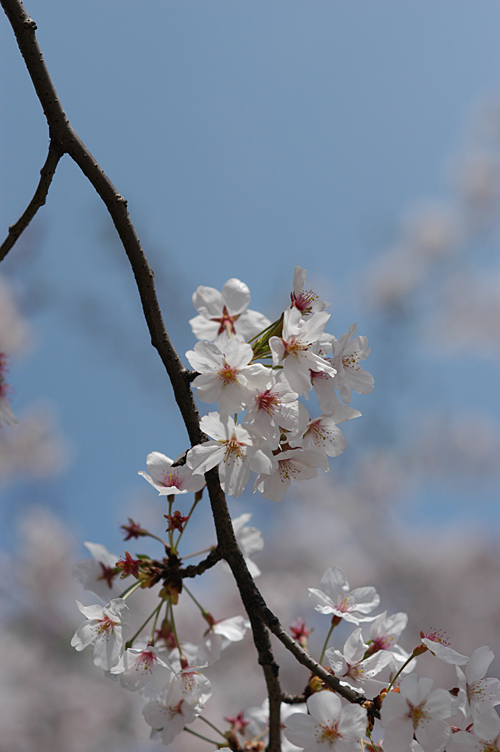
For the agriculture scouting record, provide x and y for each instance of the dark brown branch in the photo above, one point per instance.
(193, 570)
(38, 200)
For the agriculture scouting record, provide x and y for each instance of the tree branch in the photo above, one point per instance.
(65, 140)
(46, 174)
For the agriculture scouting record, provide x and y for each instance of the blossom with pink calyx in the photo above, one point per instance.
(169, 479)
(225, 312)
(336, 598)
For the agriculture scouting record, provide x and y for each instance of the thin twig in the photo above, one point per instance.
(38, 200)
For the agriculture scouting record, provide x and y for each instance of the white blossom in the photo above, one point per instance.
(336, 598)
(329, 725)
(106, 629)
(232, 449)
(295, 349)
(99, 574)
(249, 540)
(225, 312)
(474, 688)
(415, 709)
(347, 354)
(170, 480)
(226, 375)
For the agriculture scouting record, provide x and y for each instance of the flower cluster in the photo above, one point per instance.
(261, 426)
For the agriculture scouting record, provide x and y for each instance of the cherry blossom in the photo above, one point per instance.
(257, 723)
(273, 407)
(347, 354)
(226, 375)
(294, 350)
(179, 704)
(99, 574)
(357, 671)
(486, 736)
(305, 300)
(336, 598)
(415, 709)
(473, 687)
(220, 636)
(225, 311)
(328, 726)
(436, 641)
(322, 435)
(106, 628)
(293, 464)
(249, 540)
(169, 480)
(384, 634)
(232, 449)
(140, 665)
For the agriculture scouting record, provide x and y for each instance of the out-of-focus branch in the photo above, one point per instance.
(38, 200)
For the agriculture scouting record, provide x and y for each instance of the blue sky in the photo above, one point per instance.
(247, 137)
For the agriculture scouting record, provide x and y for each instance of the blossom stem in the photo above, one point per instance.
(205, 720)
(197, 499)
(130, 642)
(201, 737)
(155, 622)
(131, 589)
(194, 599)
(171, 499)
(412, 656)
(174, 630)
(198, 553)
(332, 627)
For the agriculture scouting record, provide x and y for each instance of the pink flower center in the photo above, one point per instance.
(146, 660)
(234, 449)
(304, 300)
(295, 347)
(417, 714)
(228, 374)
(436, 635)
(328, 733)
(170, 479)
(226, 321)
(106, 626)
(267, 401)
